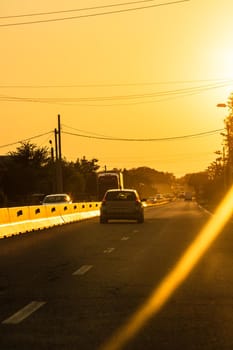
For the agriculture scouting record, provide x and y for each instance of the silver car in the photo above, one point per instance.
(121, 204)
(58, 198)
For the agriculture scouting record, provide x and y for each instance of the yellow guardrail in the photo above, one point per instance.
(24, 219)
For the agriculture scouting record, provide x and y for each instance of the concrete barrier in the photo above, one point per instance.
(4, 216)
(24, 219)
(4, 222)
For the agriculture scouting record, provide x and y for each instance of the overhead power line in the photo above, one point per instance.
(77, 10)
(104, 85)
(83, 131)
(107, 138)
(90, 14)
(207, 133)
(27, 139)
(162, 95)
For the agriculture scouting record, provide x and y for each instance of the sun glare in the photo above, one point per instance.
(222, 59)
(174, 279)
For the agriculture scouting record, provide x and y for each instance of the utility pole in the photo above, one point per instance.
(56, 164)
(56, 150)
(230, 152)
(53, 169)
(225, 177)
(59, 136)
(59, 178)
(228, 160)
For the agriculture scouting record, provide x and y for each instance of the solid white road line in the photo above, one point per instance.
(24, 312)
(108, 250)
(82, 270)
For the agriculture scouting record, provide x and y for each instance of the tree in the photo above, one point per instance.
(212, 184)
(88, 169)
(85, 166)
(228, 140)
(73, 180)
(27, 171)
(147, 181)
(79, 178)
(29, 155)
(198, 182)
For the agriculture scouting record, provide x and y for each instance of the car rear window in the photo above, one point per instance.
(120, 196)
(55, 199)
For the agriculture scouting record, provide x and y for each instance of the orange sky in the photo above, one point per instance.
(179, 54)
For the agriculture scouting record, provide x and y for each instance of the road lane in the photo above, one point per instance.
(25, 312)
(82, 311)
(82, 270)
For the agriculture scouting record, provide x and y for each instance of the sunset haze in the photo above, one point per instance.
(135, 85)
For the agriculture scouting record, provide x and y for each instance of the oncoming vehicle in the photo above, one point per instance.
(121, 204)
(58, 198)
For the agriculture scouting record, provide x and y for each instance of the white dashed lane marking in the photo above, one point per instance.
(82, 270)
(124, 238)
(108, 250)
(25, 312)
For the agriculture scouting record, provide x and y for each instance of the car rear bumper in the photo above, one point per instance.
(122, 214)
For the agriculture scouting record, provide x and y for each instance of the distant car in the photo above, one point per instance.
(59, 198)
(121, 204)
(169, 196)
(159, 197)
(151, 200)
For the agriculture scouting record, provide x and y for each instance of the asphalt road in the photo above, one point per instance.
(73, 286)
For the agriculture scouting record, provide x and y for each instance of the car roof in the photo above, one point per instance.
(121, 190)
(56, 195)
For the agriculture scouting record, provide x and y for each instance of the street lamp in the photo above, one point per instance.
(222, 105)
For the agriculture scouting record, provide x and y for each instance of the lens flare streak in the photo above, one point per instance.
(174, 279)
